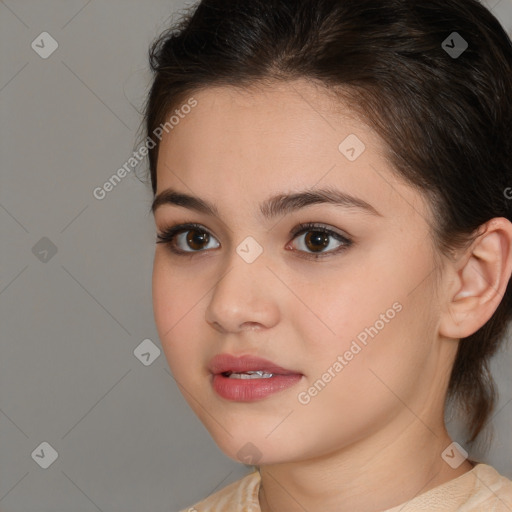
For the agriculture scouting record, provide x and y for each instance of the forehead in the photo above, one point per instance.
(280, 138)
(285, 125)
(298, 106)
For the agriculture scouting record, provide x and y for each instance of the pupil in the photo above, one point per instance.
(319, 238)
(197, 239)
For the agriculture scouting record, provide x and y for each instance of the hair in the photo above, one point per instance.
(446, 120)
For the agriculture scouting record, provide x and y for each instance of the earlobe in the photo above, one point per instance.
(480, 282)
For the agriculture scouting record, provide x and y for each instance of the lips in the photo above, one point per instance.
(225, 363)
(244, 387)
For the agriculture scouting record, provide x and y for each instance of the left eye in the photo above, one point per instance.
(317, 239)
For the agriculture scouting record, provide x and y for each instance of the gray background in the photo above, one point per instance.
(126, 440)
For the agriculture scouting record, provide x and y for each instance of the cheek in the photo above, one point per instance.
(176, 306)
(344, 306)
(368, 314)
(164, 300)
(174, 291)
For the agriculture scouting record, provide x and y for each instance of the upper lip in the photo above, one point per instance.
(228, 363)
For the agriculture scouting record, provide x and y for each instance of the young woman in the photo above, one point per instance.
(331, 196)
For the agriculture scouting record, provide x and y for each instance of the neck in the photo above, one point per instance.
(369, 476)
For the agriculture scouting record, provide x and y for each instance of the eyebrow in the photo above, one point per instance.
(278, 205)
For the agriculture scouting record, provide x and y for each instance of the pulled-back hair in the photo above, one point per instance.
(446, 118)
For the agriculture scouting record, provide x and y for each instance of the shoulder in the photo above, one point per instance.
(482, 489)
(492, 491)
(239, 496)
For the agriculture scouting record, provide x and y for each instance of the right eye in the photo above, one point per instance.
(192, 235)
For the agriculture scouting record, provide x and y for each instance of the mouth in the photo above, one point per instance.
(248, 365)
(249, 378)
(252, 374)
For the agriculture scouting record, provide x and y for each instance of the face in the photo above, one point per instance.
(347, 305)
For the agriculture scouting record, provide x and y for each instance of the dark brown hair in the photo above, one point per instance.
(446, 119)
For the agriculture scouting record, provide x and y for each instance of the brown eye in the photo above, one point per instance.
(190, 239)
(186, 239)
(316, 240)
(196, 239)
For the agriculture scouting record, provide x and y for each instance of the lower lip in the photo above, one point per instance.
(249, 390)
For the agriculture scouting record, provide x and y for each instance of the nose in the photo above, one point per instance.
(243, 297)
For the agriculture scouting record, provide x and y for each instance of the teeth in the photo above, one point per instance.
(260, 374)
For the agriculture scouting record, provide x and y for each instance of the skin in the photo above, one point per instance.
(373, 437)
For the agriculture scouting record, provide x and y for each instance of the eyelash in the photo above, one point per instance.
(168, 235)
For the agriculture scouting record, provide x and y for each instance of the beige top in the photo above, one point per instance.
(482, 489)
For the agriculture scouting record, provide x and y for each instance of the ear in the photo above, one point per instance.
(480, 278)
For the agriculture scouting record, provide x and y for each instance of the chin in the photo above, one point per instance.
(252, 448)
